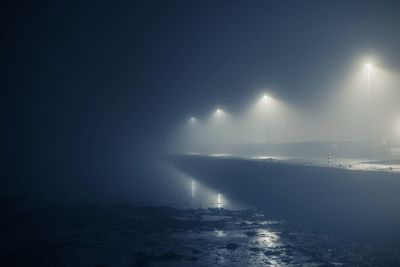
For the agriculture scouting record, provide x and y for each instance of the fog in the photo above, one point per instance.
(95, 96)
(362, 106)
(200, 133)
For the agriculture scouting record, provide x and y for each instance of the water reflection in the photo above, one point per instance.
(226, 236)
(193, 189)
(219, 201)
(267, 239)
(219, 233)
(212, 237)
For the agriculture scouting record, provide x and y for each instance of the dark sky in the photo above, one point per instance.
(93, 88)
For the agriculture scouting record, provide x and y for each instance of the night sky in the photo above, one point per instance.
(92, 90)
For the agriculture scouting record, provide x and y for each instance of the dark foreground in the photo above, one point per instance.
(130, 235)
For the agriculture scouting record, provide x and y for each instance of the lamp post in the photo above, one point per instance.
(265, 100)
(369, 67)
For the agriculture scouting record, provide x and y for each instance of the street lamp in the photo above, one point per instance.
(369, 68)
(264, 101)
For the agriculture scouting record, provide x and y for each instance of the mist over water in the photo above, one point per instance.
(200, 133)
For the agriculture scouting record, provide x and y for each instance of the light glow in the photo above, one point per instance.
(357, 111)
(219, 201)
(369, 66)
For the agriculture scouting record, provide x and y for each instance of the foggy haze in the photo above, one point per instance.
(96, 95)
(358, 110)
(200, 133)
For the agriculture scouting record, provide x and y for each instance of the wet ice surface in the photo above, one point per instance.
(130, 235)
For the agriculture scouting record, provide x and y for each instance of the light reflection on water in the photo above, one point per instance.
(247, 238)
(219, 233)
(267, 239)
(255, 241)
(219, 201)
(193, 189)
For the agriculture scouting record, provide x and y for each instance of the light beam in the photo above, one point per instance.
(193, 189)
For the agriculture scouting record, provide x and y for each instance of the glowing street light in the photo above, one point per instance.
(369, 66)
(192, 119)
(264, 100)
(218, 112)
